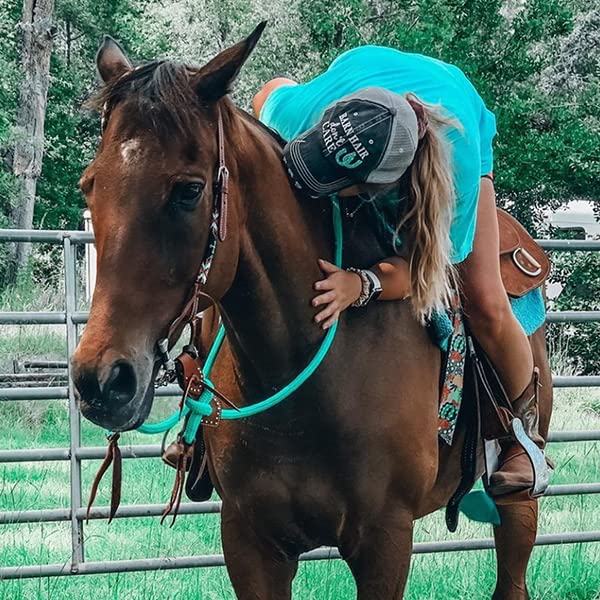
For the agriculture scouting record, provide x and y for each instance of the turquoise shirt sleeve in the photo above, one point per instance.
(278, 112)
(487, 132)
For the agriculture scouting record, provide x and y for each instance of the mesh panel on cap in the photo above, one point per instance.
(402, 145)
(397, 159)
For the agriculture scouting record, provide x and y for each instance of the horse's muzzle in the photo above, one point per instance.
(117, 397)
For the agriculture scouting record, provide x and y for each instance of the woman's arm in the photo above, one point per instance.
(394, 275)
(341, 288)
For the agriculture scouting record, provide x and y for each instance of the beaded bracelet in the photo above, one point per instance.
(366, 287)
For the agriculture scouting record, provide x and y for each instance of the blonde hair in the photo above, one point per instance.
(425, 223)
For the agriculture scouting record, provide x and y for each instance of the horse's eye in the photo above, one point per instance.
(185, 194)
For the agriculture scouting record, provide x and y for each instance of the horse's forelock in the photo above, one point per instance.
(160, 93)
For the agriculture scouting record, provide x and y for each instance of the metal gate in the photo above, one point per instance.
(75, 453)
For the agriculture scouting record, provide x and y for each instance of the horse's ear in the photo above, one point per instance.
(111, 60)
(214, 80)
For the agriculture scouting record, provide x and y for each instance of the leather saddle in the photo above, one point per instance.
(523, 264)
(490, 418)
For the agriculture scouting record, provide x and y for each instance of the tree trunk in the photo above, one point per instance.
(37, 32)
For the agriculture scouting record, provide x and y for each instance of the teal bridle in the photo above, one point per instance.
(203, 406)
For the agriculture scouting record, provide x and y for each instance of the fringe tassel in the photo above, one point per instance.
(179, 484)
(113, 456)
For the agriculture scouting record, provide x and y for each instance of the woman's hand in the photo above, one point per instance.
(338, 291)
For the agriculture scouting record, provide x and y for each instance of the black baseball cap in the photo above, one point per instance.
(368, 136)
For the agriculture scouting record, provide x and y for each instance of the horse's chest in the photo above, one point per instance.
(289, 491)
(293, 510)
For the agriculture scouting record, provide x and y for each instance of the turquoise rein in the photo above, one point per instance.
(202, 407)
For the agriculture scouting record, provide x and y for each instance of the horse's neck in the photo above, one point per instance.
(267, 308)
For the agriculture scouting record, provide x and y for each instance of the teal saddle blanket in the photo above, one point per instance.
(529, 310)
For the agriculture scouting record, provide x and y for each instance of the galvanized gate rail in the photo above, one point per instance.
(75, 453)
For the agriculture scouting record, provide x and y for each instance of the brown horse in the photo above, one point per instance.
(352, 458)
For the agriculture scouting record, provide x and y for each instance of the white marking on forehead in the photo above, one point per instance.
(129, 149)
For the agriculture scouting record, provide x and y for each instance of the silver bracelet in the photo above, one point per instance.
(365, 289)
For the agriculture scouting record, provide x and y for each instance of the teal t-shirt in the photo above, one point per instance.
(291, 110)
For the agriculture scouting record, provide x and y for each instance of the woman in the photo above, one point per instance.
(379, 119)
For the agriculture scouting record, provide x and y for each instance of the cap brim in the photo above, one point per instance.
(303, 163)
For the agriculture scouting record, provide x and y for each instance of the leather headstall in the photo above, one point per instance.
(186, 368)
(217, 233)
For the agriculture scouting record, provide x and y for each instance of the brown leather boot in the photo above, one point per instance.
(515, 472)
(171, 453)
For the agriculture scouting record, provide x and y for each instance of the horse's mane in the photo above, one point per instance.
(279, 141)
(162, 91)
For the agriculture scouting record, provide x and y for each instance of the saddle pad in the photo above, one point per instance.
(529, 310)
(449, 334)
(452, 388)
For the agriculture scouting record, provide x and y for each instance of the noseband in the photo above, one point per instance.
(218, 233)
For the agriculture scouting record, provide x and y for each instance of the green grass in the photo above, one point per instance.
(43, 342)
(570, 571)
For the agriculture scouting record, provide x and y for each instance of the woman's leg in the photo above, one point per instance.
(486, 304)
(492, 322)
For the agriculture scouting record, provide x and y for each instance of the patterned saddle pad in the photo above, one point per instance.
(448, 331)
(454, 377)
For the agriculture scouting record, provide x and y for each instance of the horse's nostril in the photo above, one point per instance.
(120, 385)
(87, 385)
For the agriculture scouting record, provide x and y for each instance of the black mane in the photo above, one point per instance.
(274, 135)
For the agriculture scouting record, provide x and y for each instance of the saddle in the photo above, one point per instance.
(489, 417)
(524, 266)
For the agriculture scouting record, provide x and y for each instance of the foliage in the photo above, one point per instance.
(579, 275)
(9, 16)
(545, 154)
(71, 132)
(535, 62)
(193, 32)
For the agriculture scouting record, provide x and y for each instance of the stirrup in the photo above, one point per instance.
(541, 470)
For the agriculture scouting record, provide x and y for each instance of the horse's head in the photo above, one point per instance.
(150, 192)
